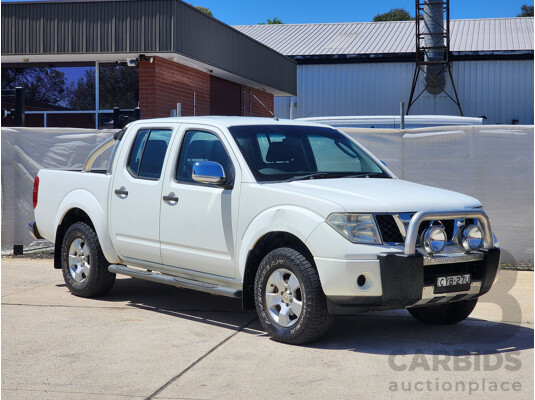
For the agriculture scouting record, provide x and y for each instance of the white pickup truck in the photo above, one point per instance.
(295, 218)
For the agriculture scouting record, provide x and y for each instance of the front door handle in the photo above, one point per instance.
(170, 198)
(121, 192)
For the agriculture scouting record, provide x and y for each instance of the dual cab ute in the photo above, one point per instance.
(296, 219)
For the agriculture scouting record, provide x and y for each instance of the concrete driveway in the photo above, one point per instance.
(145, 340)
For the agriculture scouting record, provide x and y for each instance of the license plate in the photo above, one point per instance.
(452, 283)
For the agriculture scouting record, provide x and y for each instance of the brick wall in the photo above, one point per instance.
(163, 83)
(252, 107)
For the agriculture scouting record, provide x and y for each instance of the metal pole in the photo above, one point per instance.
(178, 109)
(20, 95)
(19, 106)
(97, 92)
(116, 118)
(137, 113)
(402, 115)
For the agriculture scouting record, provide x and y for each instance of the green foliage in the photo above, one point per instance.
(274, 21)
(396, 14)
(205, 10)
(527, 11)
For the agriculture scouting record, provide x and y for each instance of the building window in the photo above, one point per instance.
(118, 86)
(64, 95)
(54, 88)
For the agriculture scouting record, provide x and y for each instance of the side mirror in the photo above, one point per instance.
(208, 172)
(382, 162)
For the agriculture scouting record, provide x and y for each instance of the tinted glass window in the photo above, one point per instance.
(118, 86)
(58, 88)
(201, 146)
(137, 151)
(148, 153)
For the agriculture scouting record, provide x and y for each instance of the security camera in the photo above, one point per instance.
(131, 62)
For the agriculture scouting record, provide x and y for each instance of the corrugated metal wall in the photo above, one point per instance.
(501, 90)
(143, 26)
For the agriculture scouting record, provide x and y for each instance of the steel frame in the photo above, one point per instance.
(422, 51)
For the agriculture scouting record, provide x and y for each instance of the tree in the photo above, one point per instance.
(83, 96)
(43, 85)
(527, 11)
(118, 86)
(396, 14)
(274, 21)
(205, 10)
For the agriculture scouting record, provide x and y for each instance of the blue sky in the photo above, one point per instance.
(245, 12)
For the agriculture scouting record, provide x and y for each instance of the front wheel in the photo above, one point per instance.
(289, 299)
(85, 269)
(449, 313)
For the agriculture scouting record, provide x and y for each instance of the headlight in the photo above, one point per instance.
(357, 228)
(472, 238)
(434, 239)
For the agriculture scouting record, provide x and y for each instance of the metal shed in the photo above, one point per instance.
(367, 68)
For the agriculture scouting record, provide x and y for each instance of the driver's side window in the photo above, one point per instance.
(201, 146)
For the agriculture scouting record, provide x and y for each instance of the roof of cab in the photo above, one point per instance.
(224, 121)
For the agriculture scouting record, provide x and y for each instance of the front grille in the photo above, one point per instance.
(449, 227)
(391, 233)
(389, 229)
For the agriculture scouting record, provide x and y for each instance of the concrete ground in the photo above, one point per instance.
(146, 340)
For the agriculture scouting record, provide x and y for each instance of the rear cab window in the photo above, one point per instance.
(148, 153)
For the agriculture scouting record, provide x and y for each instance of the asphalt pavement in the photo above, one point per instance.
(150, 341)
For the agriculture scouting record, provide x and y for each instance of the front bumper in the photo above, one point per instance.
(406, 282)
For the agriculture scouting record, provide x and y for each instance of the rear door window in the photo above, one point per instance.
(148, 153)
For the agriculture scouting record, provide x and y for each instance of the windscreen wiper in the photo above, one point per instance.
(368, 175)
(316, 175)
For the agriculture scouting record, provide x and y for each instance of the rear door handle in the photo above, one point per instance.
(171, 198)
(121, 192)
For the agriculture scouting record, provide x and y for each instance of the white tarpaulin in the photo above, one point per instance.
(24, 152)
(492, 163)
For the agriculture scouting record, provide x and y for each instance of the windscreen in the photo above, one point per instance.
(293, 152)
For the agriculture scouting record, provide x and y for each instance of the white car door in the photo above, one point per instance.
(136, 194)
(199, 221)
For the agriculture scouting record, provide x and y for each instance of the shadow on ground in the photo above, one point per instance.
(386, 332)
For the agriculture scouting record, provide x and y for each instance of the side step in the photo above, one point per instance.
(176, 281)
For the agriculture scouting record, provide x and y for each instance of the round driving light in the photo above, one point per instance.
(472, 238)
(434, 239)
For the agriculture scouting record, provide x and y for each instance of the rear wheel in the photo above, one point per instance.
(449, 313)
(84, 267)
(289, 299)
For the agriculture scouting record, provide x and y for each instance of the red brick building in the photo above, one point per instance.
(79, 60)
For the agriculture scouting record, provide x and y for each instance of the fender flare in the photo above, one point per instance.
(88, 203)
(295, 220)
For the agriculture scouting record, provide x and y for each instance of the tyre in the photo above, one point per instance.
(449, 313)
(85, 269)
(289, 299)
